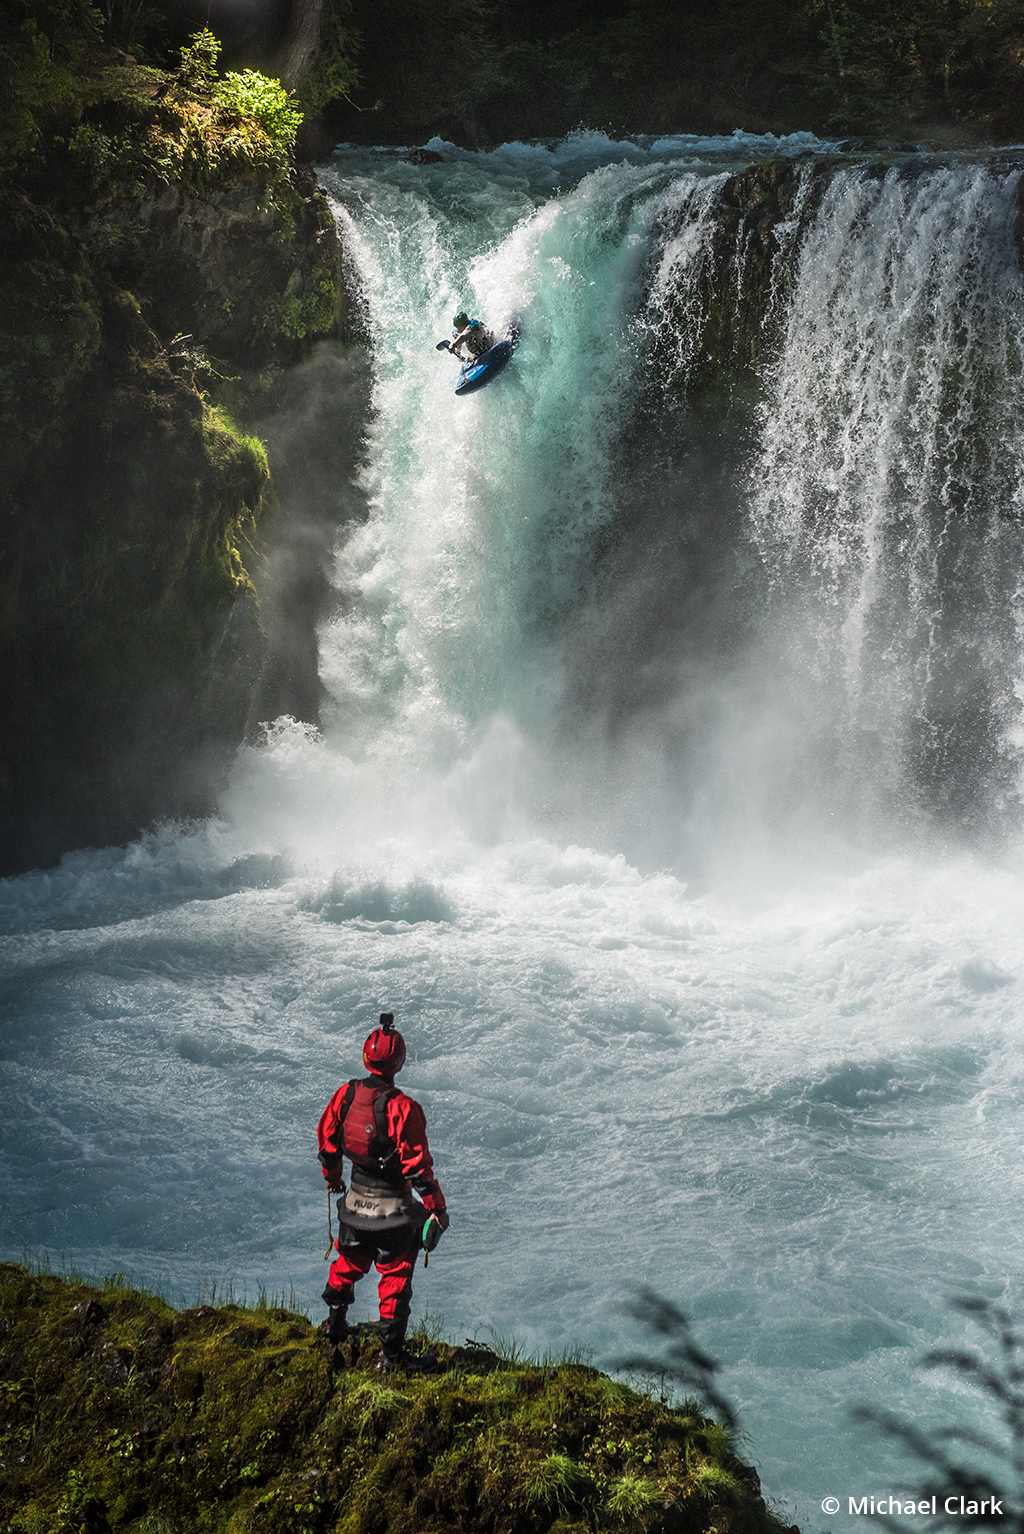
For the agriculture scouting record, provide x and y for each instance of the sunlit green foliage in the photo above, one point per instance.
(250, 94)
(198, 68)
(71, 105)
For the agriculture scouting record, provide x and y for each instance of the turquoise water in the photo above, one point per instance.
(708, 975)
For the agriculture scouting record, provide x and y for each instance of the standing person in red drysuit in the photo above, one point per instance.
(384, 1135)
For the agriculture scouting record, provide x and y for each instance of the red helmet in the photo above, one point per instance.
(384, 1050)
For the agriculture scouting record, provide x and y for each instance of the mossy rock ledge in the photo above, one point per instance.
(249, 266)
(119, 1413)
(732, 305)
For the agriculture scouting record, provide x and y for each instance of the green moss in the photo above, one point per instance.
(122, 1414)
(311, 313)
(715, 1484)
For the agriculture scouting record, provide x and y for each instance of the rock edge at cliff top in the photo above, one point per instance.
(120, 1413)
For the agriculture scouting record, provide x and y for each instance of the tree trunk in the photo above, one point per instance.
(300, 44)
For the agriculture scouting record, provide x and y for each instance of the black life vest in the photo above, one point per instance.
(363, 1128)
(480, 339)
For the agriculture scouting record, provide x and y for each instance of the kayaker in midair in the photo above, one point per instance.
(383, 1133)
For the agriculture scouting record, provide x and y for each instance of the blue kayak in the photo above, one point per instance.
(480, 370)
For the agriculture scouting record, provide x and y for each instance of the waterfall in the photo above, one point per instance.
(886, 495)
(444, 666)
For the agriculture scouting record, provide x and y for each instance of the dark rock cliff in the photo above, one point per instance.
(250, 267)
(743, 279)
(130, 504)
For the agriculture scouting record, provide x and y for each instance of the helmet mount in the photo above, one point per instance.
(384, 1050)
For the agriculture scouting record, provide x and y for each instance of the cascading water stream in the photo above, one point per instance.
(483, 522)
(585, 643)
(887, 495)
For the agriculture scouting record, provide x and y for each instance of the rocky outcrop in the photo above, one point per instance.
(124, 505)
(118, 1409)
(743, 280)
(129, 503)
(252, 269)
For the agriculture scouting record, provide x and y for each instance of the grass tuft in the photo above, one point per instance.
(559, 1485)
(631, 1496)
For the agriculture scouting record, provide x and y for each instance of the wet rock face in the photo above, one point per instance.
(753, 243)
(128, 641)
(749, 254)
(1018, 223)
(50, 323)
(252, 271)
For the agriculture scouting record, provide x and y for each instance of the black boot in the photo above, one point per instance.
(393, 1353)
(335, 1326)
(392, 1337)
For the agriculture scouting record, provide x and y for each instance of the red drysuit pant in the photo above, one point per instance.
(394, 1285)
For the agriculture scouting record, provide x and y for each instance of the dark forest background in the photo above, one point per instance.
(478, 71)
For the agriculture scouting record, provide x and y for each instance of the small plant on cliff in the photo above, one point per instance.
(92, 152)
(251, 94)
(560, 1486)
(633, 1496)
(197, 71)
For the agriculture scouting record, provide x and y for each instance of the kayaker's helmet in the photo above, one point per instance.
(460, 321)
(384, 1050)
